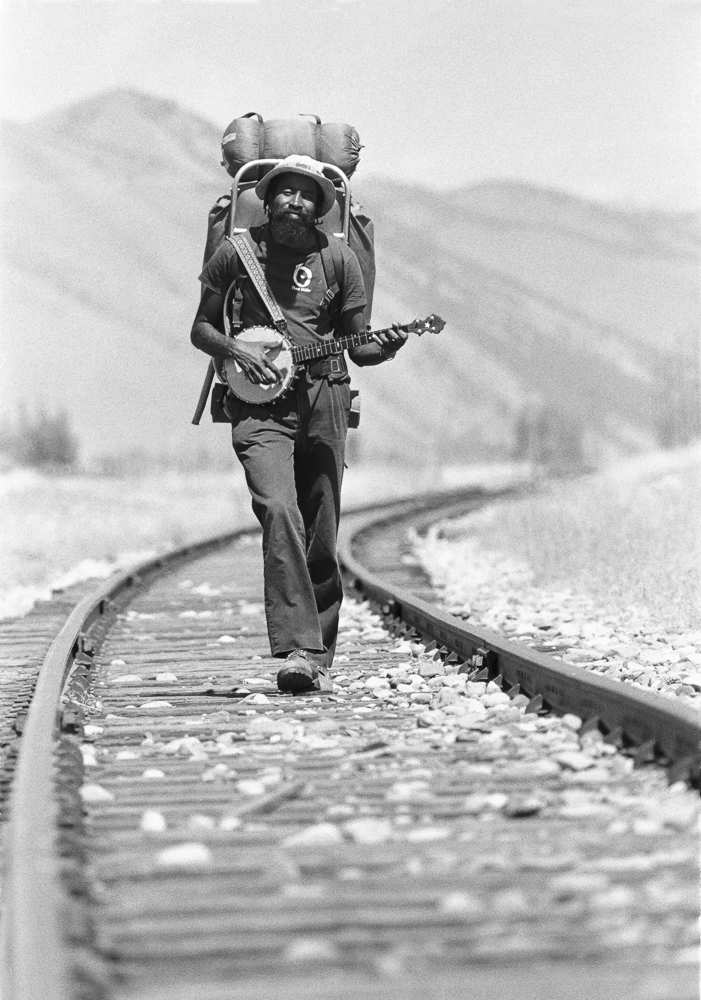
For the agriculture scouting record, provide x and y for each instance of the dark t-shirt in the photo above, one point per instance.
(296, 279)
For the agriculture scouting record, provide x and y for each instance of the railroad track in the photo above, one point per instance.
(179, 829)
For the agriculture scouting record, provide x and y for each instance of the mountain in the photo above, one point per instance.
(568, 321)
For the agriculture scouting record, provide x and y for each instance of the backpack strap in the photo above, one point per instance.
(243, 245)
(332, 264)
(233, 304)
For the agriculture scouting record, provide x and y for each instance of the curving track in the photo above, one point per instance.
(202, 836)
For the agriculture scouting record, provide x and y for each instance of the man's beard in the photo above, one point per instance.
(292, 229)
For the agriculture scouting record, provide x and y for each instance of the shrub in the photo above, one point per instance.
(547, 436)
(40, 439)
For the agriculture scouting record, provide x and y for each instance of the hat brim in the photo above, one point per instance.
(326, 185)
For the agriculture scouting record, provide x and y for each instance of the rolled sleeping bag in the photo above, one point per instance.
(243, 141)
(250, 138)
(285, 136)
(338, 144)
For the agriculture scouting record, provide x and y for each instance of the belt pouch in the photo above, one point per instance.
(218, 401)
(354, 415)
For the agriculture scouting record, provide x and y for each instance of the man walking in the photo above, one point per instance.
(292, 450)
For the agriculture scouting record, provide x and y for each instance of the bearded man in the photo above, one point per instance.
(292, 450)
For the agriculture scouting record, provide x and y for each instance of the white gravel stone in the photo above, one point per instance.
(368, 830)
(92, 794)
(616, 898)
(426, 834)
(198, 821)
(467, 706)
(656, 656)
(497, 698)
(460, 904)
(166, 678)
(152, 821)
(647, 827)
(319, 835)
(186, 855)
(572, 722)
(249, 786)
(420, 698)
(126, 679)
(407, 791)
(448, 696)
(574, 761)
(230, 823)
(311, 950)
(678, 813)
(217, 772)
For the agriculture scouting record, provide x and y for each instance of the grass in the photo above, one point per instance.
(626, 538)
(51, 523)
(629, 538)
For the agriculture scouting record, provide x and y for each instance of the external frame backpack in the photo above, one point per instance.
(249, 138)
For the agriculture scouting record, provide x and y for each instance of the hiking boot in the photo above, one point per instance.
(302, 673)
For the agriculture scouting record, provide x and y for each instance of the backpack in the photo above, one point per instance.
(249, 138)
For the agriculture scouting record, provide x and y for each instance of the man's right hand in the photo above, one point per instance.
(253, 361)
(207, 334)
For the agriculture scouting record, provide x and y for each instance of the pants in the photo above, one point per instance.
(292, 453)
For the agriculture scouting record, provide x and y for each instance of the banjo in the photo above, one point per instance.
(289, 358)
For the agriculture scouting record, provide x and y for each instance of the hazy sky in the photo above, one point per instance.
(600, 97)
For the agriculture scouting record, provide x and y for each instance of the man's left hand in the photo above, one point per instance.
(391, 340)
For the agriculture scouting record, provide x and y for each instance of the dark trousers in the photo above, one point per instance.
(292, 453)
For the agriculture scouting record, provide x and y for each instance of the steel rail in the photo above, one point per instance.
(34, 957)
(628, 715)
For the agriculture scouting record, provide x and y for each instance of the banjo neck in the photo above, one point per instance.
(289, 357)
(334, 346)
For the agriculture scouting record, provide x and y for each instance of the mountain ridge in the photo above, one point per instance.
(560, 305)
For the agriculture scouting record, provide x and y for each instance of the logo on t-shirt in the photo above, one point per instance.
(302, 278)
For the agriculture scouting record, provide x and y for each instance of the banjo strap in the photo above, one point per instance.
(244, 250)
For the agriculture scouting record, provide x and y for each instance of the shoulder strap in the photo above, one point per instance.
(332, 264)
(243, 246)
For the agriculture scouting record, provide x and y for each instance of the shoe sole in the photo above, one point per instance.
(291, 681)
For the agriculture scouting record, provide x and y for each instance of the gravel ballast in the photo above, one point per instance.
(495, 590)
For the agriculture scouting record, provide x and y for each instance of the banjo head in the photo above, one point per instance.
(279, 351)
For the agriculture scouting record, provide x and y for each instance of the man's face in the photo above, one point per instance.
(293, 209)
(295, 197)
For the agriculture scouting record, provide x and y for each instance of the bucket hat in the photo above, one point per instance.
(306, 167)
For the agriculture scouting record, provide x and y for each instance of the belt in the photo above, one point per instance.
(322, 367)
